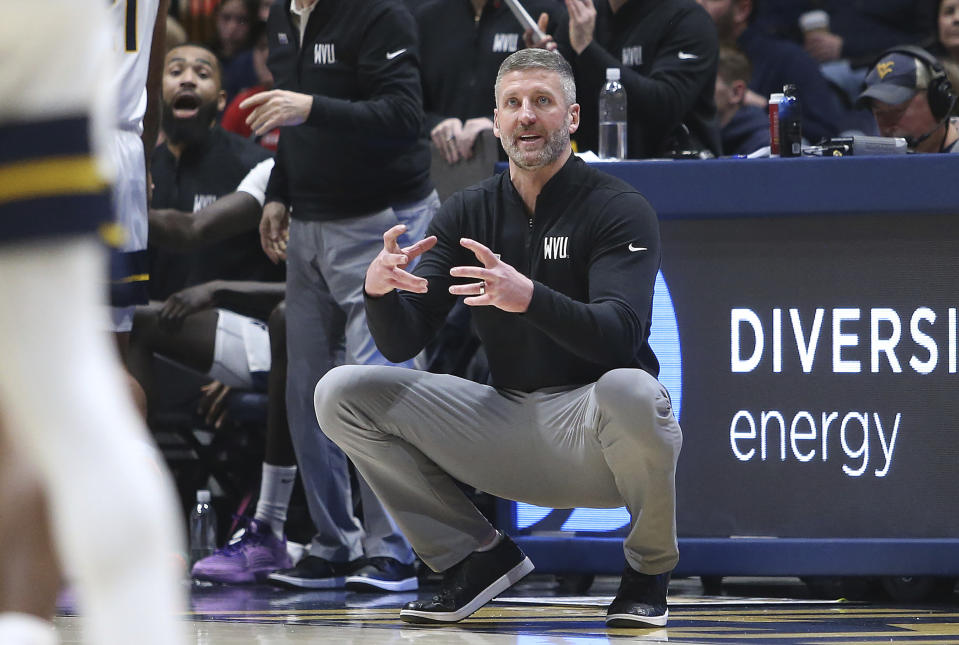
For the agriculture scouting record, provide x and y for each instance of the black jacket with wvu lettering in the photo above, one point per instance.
(362, 148)
(667, 51)
(206, 171)
(460, 55)
(592, 249)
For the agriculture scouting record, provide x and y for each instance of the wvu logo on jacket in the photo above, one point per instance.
(632, 56)
(556, 248)
(324, 53)
(505, 42)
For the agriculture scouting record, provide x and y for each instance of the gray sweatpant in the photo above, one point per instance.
(325, 319)
(603, 445)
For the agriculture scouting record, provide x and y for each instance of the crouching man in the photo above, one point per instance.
(558, 261)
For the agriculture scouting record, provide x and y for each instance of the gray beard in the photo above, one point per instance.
(556, 144)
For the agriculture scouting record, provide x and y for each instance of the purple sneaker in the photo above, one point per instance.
(249, 558)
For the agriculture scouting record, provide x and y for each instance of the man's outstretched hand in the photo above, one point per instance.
(276, 108)
(499, 284)
(388, 270)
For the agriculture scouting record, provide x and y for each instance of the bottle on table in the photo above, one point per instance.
(790, 123)
(612, 117)
(774, 123)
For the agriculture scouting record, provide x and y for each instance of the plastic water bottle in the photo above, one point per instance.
(202, 527)
(612, 117)
(790, 123)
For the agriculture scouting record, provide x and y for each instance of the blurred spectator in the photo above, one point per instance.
(777, 62)
(858, 30)
(911, 97)
(263, 10)
(462, 43)
(744, 128)
(235, 20)
(945, 46)
(198, 163)
(667, 52)
(234, 117)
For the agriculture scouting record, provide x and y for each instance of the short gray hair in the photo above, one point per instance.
(536, 58)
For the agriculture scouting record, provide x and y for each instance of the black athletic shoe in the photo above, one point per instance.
(640, 601)
(383, 574)
(472, 583)
(313, 572)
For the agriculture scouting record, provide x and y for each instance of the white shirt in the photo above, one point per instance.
(301, 16)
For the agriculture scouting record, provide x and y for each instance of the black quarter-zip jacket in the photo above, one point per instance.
(460, 55)
(592, 249)
(362, 148)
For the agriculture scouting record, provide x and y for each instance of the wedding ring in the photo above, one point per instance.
(482, 288)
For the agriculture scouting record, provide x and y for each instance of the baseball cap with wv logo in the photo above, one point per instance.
(894, 79)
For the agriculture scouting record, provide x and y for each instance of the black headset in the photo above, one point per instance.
(940, 94)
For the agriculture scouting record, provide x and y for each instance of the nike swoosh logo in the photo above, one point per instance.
(633, 249)
(392, 55)
(687, 56)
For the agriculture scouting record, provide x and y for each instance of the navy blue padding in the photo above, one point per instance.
(724, 188)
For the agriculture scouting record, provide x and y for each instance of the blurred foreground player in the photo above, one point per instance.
(64, 410)
(135, 86)
(558, 261)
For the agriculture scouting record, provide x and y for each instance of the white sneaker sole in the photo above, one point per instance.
(307, 583)
(497, 587)
(362, 583)
(632, 620)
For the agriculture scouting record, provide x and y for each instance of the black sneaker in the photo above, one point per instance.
(383, 574)
(467, 586)
(640, 601)
(313, 572)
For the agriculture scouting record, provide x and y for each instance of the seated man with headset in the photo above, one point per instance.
(911, 97)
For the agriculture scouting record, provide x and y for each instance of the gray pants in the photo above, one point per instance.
(325, 318)
(603, 445)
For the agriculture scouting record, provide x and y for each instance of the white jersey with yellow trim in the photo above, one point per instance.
(132, 22)
(56, 118)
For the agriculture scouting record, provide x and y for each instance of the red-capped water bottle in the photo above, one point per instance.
(774, 123)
